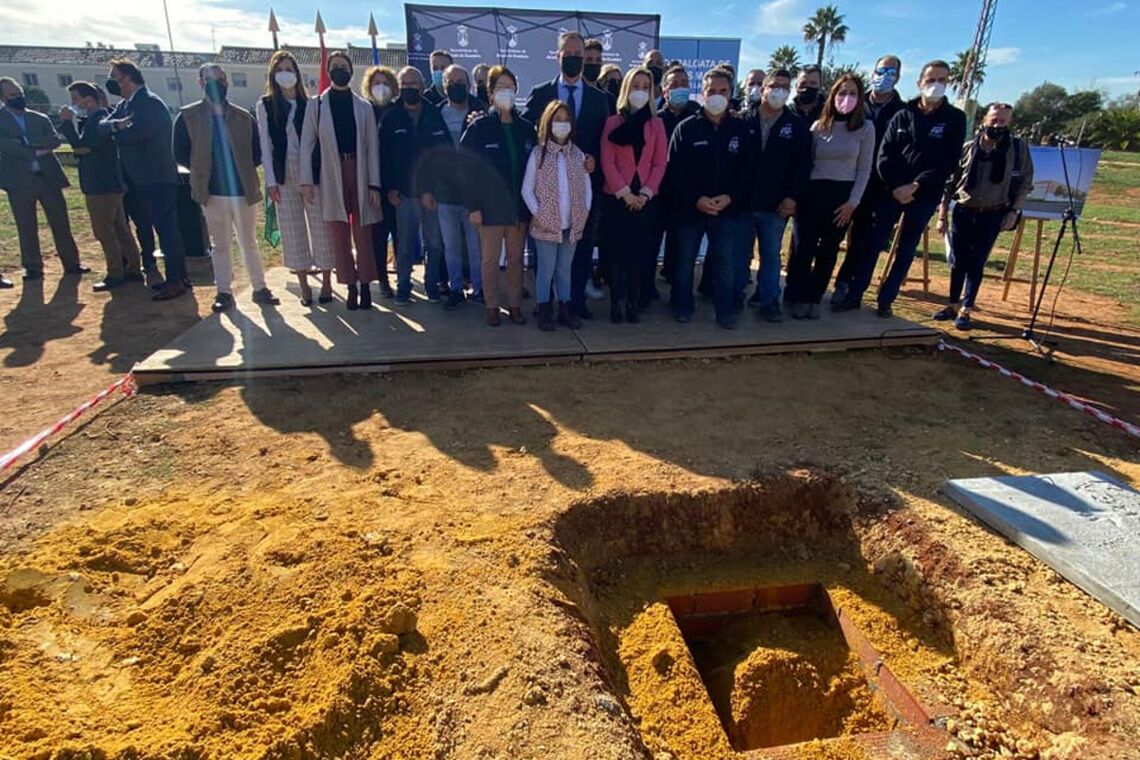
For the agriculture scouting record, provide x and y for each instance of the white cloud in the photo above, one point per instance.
(1106, 10)
(195, 23)
(780, 17)
(1000, 56)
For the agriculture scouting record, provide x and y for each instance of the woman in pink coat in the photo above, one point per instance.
(633, 163)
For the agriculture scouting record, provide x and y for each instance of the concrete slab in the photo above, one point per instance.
(1085, 525)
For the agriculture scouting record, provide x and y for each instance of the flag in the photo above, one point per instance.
(272, 231)
(373, 32)
(325, 82)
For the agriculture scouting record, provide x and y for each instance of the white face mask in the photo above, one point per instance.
(560, 130)
(504, 99)
(285, 79)
(638, 99)
(777, 98)
(934, 91)
(715, 104)
(382, 93)
(80, 113)
(754, 94)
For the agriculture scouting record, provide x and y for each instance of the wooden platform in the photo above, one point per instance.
(289, 339)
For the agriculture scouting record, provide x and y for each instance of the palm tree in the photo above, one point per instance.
(958, 69)
(785, 57)
(1116, 129)
(824, 29)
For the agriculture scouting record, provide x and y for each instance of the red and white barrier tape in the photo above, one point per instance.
(1064, 398)
(126, 384)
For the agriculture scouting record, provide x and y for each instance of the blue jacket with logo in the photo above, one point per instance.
(707, 159)
(922, 148)
(783, 166)
(492, 185)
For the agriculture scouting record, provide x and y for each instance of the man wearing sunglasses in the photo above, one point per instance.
(883, 101)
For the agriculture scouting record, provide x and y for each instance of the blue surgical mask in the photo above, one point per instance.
(678, 96)
(884, 82)
(437, 79)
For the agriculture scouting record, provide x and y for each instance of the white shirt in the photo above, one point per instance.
(292, 141)
(530, 180)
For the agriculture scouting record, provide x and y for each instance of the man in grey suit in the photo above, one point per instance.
(31, 174)
(143, 128)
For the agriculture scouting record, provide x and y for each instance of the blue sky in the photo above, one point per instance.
(1089, 44)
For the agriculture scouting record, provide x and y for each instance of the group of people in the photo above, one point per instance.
(454, 171)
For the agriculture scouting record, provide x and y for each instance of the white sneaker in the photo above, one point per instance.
(593, 292)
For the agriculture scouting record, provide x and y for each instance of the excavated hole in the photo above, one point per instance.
(751, 618)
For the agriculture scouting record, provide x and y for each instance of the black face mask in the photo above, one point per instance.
(340, 77)
(216, 90)
(657, 73)
(572, 65)
(614, 86)
(996, 133)
(808, 95)
(457, 92)
(481, 91)
(591, 71)
(18, 103)
(113, 88)
(411, 95)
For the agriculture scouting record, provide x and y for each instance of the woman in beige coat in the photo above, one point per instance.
(340, 133)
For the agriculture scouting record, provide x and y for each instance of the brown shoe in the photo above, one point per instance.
(516, 315)
(169, 291)
(493, 317)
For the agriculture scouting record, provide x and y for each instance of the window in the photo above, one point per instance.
(64, 80)
(31, 80)
(239, 79)
(173, 84)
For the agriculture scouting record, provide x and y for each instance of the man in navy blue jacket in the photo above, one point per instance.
(143, 128)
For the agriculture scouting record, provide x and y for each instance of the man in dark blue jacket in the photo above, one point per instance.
(101, 180)
(922, 145)
(408, 131)
(782, 144)
(711, 157)
(142, 127)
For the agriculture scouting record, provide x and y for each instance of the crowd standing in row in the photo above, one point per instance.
(595, 159)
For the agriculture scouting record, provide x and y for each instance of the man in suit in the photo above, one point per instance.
(143, 129)
(31, 174)
(591, 109)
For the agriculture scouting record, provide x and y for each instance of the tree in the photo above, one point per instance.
(823, 29)
(832, 71)
(1049, 108)
(785, 57)
(37, 99)
(1116, 129)
(958, 69)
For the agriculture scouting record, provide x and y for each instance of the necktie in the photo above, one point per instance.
(571, 88)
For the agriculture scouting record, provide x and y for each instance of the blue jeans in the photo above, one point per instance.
(768, 231)
(554, 263)
(915, 217)
(411, 217)
(971, 238)
(455, 227)
(724, 234)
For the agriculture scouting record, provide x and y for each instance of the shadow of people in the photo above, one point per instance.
(32, 324)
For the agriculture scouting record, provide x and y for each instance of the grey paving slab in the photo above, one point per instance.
(1085, 525)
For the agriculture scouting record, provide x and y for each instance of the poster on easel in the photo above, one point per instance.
(1049, 197)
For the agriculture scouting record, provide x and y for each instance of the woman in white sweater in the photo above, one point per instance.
(843, 153)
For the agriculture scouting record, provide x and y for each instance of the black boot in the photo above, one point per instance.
(631, 314)
(567, 317)
(352, 302)
(546, 316)
(365, 296)
(615, 312)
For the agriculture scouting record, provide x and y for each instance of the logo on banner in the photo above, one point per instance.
(513, 40)
(607, 40)
(418, 42)
(461, 35)
(642, 49)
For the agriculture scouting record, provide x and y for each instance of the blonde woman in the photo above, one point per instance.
(379, 87)
(305, 242)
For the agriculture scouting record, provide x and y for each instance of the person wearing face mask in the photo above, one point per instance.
(675, 106)
(809, 100)
(711, 156)
(30, 174)
(479, 74)
(439, 60)
(341, 126)
(882, 103)
(609, 81)
(218, 142)
(591, 109)
(408, 133)
(101, 180)
(843, 155)
(558, 194)
(306, 247)
(782, 143)
(450, 168)
(634, 153)
(592, 69)
(988, 189)
(921, 147)
(379, 87)
(654, 63)
(141, 126)
(497, 144)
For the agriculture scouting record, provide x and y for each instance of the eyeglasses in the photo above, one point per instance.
(885, 70)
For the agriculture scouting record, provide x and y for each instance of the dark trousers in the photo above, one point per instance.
(50, 197)
(583, 263)
(144, 226)
(813, 259)
(628, 244)
(971, 238)
(915, 218)
(862, 224)
(159, 205)
(724, 235)
(381, 232)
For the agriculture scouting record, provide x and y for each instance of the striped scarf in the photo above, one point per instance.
(547, 223)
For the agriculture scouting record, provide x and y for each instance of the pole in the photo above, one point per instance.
(173, 56)
(374, 32)
(274, 28)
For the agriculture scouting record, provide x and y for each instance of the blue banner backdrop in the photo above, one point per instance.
(699, 54)
(523, 40)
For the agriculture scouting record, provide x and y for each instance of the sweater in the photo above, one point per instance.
(841, 155)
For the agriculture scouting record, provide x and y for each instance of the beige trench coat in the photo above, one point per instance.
(367, 159)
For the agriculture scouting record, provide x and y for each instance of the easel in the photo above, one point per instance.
(1011, 264)
(925, 279)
